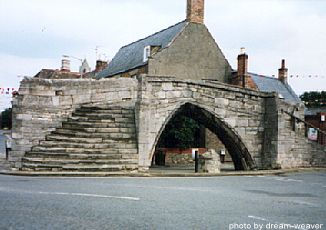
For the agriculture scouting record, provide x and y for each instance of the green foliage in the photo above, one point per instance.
(6, 119)
(180, 132)
(314, 99)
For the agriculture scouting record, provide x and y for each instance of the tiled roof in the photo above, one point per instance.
(56, 74)
(271, 84)
(131, 56)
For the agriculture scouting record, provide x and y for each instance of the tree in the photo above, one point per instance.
(180, 132)
(314, 99)
(6, 118)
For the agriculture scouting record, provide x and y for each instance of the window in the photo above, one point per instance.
(147, 53)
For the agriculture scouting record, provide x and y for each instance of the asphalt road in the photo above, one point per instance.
(164, 203)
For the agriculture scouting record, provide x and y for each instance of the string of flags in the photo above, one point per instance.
(4, 91)
(305, 76)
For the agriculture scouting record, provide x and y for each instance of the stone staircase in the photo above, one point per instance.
(94, 138)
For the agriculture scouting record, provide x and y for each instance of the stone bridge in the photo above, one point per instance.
(255, 127)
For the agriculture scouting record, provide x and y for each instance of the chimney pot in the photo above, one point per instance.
(242, 50)
(65, 65)
(195, 11)
(242, 68)
(100, 65)
(283, 73)
(283, 64)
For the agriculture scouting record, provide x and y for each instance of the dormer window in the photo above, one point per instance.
(147, 53)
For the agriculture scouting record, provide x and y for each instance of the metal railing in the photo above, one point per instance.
(321, 135)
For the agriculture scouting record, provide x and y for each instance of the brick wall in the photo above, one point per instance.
(195, 11)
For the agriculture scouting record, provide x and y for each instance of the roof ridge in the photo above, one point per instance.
(153, 34)
(260, 75)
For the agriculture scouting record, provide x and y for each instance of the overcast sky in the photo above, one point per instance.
(34, 34)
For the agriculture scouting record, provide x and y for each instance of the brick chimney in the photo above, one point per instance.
(100, 65)
(283, 73)
(195, 11)
(65, 65)
(242, 68)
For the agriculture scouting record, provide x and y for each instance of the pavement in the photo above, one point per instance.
(296, 200)
(2, 143)
(158, 172)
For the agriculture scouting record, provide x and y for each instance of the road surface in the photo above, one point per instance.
(248, 202)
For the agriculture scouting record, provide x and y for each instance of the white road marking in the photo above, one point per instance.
(90, 195)
(196, 189)
(70, 194)
(294, 180)
(285, 179)
(303, 203)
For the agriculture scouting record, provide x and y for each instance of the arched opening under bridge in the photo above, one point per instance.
(200, 119)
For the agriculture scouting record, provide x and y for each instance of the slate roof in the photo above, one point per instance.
(272, 84)
(131, 56)
(314, 111)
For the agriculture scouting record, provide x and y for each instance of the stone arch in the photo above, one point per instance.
(241, 157)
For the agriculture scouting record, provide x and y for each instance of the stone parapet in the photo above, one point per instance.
(255, 127)
(43, 104)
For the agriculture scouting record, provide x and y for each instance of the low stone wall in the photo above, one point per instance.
(172, 159)
(42, 105)
(180, 156)
(293, 147)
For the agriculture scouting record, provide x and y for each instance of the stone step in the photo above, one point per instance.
(73, 150)
(107, 168)
(94, 138)
(100, 145)
(114, 109)
(98, 123)
(51, 161)
(110, 143)
(83, 150)
(79, 127)
(107, 115)
(82, 168)
(68, 137)
(53, 137)
(85, 134)
(60, 155)
(84, 124)
(68, 144)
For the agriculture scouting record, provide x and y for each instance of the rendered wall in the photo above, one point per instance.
(194, 55)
